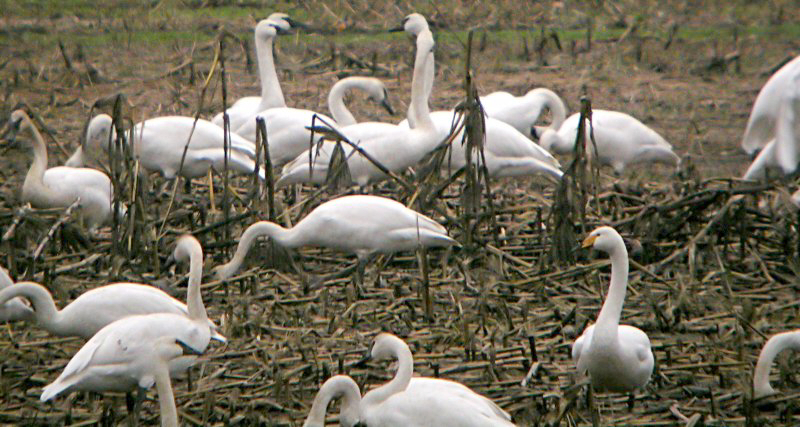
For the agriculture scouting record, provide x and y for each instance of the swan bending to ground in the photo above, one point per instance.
(784, 149)
(245, 109)
(620, 139)
(407, 401)
(395, 147)
(286, 127)
(522, 112)
(16, 308)
(761, 126)
(338, 386)
(774, 346)
(617, 357)
(360, 224)
(101, 306)
(159, 144)
(60, 186)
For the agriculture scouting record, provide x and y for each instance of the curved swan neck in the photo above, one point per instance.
(34, 187)
(283, 236)
(340, 113)
(194, 298)
(418, 110)
(334, 387)
(401, 380)
(271, 93)
(77, 159)
(166, 398)
(554, 103)
(608, 319)
(44, 308)
(773, 347)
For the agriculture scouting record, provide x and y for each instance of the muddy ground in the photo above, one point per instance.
(719, 256)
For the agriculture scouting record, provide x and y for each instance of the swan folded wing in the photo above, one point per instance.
(433, 408)
(460, 390)
(787, 133)
(236, 161)
(408, 238)
(76, 365)
(503, 167)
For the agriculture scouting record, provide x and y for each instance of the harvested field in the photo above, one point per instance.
(715, 277)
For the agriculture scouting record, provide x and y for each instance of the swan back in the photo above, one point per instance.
(760, 128)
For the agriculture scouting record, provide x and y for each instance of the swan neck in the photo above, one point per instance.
(166, 398)
(77, 159)
(608, 319)
(557, 109)
(337, 386)
(271, 93)
(401, 380)
(772, 348)
(44, 308)
(336, 105)
(418, 110)
(194, 298)
(34, 186)
(262, 228)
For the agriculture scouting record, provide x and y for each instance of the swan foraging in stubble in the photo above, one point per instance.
(621, 140)
(338, 386)
(618, 358)
(287, 131)
(61, 186)
(395, 147)
(98, 307)
(245, 109)
(774, 346)
(14, 309)
(359, 224)
(160, 142)
(522, 112)
(422, 401)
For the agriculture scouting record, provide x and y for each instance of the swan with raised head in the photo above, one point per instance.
(338, 386)
(101, 306)
(61, 186)
(782, 151)
(359, 224)
(395, 147)
(14, 309)
(620, 140)
(764, 115)
(245, 109)
(418, 401)
(617, 357)
(159, 144)
(774, 346)
(287, 130)
(522, 112)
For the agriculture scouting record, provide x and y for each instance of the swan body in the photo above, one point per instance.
(522, 112)
(60, 186)
(111, 360)
(761, 128)
(618, 358)
(621, 140)
(246, 108)
(286, 127)
(407, 401)
(774, 346)
(395, 147)
(101, 306)
(359, 224)
(159, 144)
(15, 308)
(782, 151)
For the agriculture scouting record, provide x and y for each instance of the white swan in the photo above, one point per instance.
(395, 147)
(763, 117)
(338, 386)
(782, 151)
(119, 358)
(101, 306)
(360, 224)
(14, 309)
(407, 401)
(621, 140)
(508, 152)
(286, 127)
(246, 108)
(617, 357)
(159, 145)
(776, 344)
(522, 112)
(60, 186)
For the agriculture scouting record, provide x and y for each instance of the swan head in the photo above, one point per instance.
(15, 123)
(277, 23)
(548, 139)
(98, 133)
(376, 92)
(185, 247)
(413, 24)
(384, 346)
(604, 239)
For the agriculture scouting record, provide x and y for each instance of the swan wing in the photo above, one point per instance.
(760, 128)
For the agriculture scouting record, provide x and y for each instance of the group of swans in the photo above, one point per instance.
(774, 124)
(137, 335)
(405, 400)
